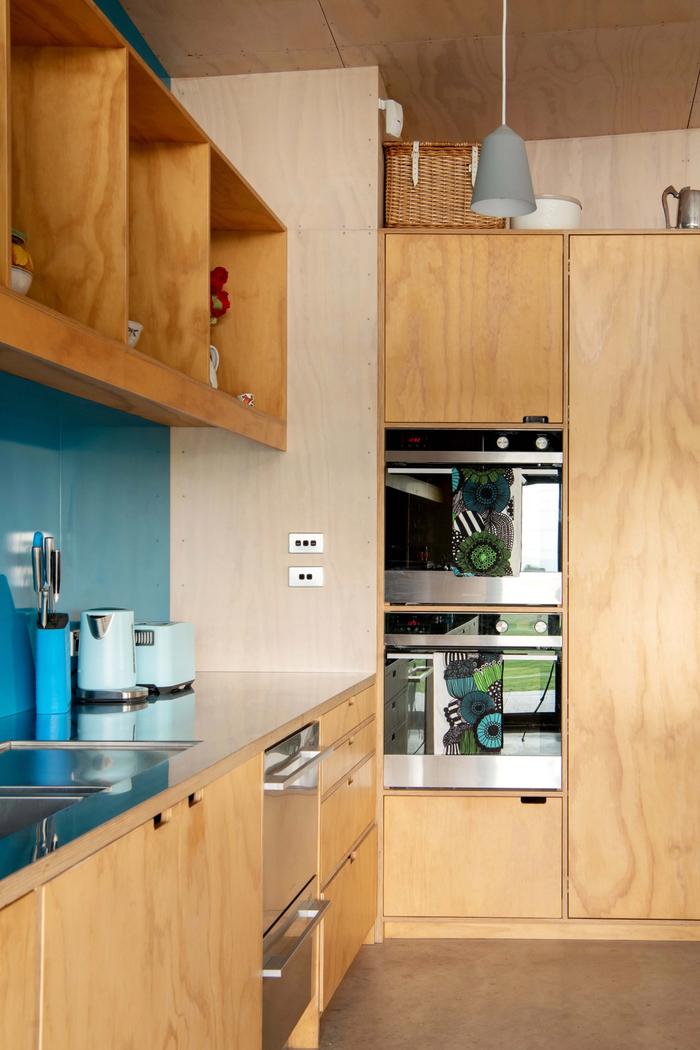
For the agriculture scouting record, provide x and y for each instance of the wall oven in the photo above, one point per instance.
(472, 700)
(473, 517)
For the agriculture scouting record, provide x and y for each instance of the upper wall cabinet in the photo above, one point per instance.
(127, 206)
(474, 327)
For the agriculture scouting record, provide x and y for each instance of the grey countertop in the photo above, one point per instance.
(231, 716)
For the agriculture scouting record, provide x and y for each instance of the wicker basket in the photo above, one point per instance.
(430, 184)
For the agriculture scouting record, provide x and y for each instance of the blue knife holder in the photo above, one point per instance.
(52, 667)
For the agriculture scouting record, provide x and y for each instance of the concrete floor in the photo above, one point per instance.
(518, 995)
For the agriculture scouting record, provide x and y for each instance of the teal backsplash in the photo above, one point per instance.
(99, 481)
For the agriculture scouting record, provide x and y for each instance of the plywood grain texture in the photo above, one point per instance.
(19, 974)
(69, 157)
(618, 178)
(308, 142)
(353, 892)
(467, 315)
(66, 23)
(5, 171)
(472, 857)
(169, 253)
(177, 959)
(345, 814)
(634, 590)
(252, 337)
(578, 68)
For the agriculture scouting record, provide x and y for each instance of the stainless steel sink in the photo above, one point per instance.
(21, 809)
(65, 767)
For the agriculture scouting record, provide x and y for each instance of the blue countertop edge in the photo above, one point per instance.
(223, 731)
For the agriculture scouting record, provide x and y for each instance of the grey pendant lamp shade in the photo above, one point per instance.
(503, 184)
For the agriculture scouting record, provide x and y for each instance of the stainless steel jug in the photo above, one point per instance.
(688, 217)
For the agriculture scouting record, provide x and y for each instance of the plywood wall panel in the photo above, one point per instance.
(618, 178)
(246, 616)
(309, 142)
(308, 150)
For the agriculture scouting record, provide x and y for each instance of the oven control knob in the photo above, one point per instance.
(541, 442)
(501, 626)
(541, 626)
(502, 441)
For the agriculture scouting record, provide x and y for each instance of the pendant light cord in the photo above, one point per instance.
(503, 62)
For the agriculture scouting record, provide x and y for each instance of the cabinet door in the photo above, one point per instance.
(220, 911)
(472, 857)
(156, 940)
(353, 896)
(18, 974)
(634, 590)
(474, 327)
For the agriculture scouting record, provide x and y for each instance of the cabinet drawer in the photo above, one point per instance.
(346, 813)
(346, 755)
(353, 892)
(472, 857)
(346, 716)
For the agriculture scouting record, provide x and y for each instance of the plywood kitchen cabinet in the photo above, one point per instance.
(353, 895)
(18, 974)
(348, 834)
(122, 197)
(474, 327)
(156, 939)
(472, 857)
(634, 621)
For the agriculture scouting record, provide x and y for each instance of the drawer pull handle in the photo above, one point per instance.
(353, 856)
(351, 780)
(162, 818)
(196, 797)
(312, 911)
(351, 741)
(351, 701)
(277, 780)
(533, 800)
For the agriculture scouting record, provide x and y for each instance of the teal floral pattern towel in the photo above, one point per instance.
(483, 530)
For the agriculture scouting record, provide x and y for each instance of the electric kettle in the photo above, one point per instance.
(688, 216)
(107, 656)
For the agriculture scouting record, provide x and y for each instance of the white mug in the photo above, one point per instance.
(134, 328)
(213, 367)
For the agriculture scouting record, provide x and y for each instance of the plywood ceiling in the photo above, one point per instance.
(576, 67)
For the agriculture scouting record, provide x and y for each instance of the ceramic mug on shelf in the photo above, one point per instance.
(135, 329)
(213, 367)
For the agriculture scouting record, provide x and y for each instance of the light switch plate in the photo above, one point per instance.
(305, 576)
(305, 542)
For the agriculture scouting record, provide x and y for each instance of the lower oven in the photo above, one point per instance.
(473, 700)
(473, 517)
(291, 908)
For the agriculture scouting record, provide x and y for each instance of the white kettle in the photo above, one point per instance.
(106, 653)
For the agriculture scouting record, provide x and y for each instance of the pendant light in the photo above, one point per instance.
(503, 184)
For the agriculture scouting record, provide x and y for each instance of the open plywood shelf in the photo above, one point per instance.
(127, 205)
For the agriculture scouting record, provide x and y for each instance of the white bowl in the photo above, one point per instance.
(552, 213)
(21, 280)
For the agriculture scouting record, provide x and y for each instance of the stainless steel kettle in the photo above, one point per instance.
(688, 216)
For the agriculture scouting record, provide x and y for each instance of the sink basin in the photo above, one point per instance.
(66, 767)
(19, 810)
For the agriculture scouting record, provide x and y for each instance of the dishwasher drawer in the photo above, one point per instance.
(288, 967)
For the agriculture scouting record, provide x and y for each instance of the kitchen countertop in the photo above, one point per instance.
(231, 716)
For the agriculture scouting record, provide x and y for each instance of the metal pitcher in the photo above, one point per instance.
(688, 217)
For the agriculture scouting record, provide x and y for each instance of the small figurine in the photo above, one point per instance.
(220, 303)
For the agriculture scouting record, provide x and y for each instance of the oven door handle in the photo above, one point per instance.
(313, 912)
(279, 782)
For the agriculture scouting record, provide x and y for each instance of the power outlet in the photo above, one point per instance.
(305, 576)
(306, 542)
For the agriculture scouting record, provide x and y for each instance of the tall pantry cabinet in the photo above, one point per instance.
(634, 576)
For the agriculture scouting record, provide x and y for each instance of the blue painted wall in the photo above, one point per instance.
(99, 481)
(121, 20)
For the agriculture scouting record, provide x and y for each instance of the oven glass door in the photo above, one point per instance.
(473, 533)
(466, 708)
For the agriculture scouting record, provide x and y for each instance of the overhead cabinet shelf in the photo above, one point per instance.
(127, 206)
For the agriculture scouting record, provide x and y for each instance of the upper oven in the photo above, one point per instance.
(473, 517)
